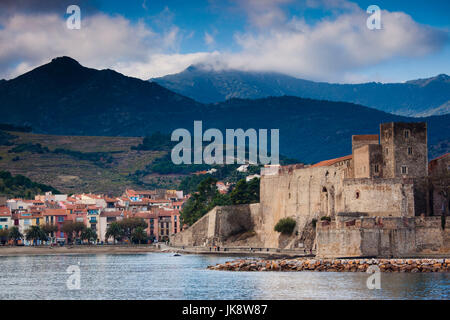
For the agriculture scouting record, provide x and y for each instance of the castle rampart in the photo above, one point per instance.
(378, 201)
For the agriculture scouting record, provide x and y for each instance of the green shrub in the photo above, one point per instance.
(29, 147)
(314, 222)
(285, 226)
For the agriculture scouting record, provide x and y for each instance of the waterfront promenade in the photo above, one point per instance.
(76, 249)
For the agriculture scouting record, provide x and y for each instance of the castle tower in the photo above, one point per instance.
(404, 149)
(367, 157)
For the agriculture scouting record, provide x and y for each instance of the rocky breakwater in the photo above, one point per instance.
(336, 265)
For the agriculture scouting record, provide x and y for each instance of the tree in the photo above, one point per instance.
(49, 229)
(78, 228)
(73, 229)
(4, 234)
(285, 226)
(114, 231)
(128, 225)
(15, 235)
(88, 234)
(68, 229)
(139, 235)
(35, 233)
(245, 192)
(206, 198)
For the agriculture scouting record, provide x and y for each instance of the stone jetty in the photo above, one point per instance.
(336, 265)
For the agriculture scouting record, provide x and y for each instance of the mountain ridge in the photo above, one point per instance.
(413, 98)
(65, 98)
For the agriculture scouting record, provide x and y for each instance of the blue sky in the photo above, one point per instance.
(324, 40)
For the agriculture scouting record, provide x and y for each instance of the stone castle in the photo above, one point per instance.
(385, 199)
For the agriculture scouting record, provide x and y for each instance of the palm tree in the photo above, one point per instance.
(48, 229)
(35, 233)
(139, 235)
(88, 234)
(115, 231)
(15, 235)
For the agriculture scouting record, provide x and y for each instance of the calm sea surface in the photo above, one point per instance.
(163, 276)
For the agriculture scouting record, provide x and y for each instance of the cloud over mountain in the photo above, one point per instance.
(333, 48)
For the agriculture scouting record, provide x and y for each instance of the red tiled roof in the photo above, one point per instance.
(198, 173)
(365, 137)
(5, 211)
(171, 212)
(111, 213)
(330, 162)
(30, 215)
(441, 157)
(142, 214)
(159, 201)
(55, 212)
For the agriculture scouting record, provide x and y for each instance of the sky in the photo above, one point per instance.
(321, 40)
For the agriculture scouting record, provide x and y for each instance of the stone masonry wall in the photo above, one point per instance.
(195, 235)
(379, 197)
(218, 225)
(383, 237)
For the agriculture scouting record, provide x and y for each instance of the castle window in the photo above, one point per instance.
(407, 133)
(376, 168)
(357, 195)
(409, 150)
(404, 170)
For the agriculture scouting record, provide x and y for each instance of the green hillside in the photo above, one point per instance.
(20, 186)
(78, 163)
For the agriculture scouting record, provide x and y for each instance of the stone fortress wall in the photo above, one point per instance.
(363, 236)
(384, 182)
(220, 224)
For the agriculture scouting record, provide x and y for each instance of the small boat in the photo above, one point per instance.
(177, 255)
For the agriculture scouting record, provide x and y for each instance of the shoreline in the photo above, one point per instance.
(7, 251)
(266, 257)
(67, 250)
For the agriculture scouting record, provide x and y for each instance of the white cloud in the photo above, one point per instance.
(264, 13)
(336, 48)
(158, 65)
(102, 42)
(209, 39)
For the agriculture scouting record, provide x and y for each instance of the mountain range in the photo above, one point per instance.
(422, 97)
(65, 98)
